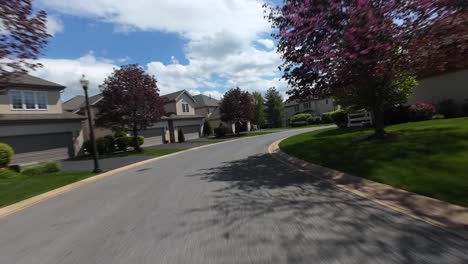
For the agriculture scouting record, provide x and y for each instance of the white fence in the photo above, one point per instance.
(359, 119)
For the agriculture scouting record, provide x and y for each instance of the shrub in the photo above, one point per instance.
(141, 140)
(122, 143)
(88, 147)
(119, 134)
(298, 123)
(110, 143)
(6, 155)
(396, 115)
(207, 129)
(180, 135)
(313, 120)
(101, 145)
(447, 108)
(340, 118)
(300, 118)
(465, 107)
(326, 118)
(421, 111)
(438, 116)
(221, 131)
(41, 169)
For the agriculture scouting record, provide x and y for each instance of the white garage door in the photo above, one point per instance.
(191, 132)
(153, 136)
(39, 148)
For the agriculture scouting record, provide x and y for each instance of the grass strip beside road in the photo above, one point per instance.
(429, 158)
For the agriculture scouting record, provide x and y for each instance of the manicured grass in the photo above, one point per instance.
(430, 157)
(255, 133)
(15, 187)
(289, 128)
(156, 152)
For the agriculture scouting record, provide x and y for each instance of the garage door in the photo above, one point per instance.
(39, 148)
(153, 136)
(191, 132)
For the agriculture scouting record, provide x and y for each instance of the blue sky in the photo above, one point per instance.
(202, 46)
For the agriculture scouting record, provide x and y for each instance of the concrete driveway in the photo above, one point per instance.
(226, 203)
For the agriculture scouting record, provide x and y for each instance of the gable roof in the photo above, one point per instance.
(202, 100)
(26, 80)
(78, 102)
(172, 97)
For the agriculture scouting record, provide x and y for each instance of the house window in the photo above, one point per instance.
(185, 108)
(28, 100)
(307, 105)
(326, 101)
(296, 108)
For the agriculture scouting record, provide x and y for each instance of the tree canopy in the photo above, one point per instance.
(130, 100)
(274, 108)
(363, 47)
(259, 109)
(23, 35)
(236, 106)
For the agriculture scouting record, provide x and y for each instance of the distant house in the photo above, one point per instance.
(315, 107)
(77, 105)
(439, 87)
(209, 108)
(33, 123)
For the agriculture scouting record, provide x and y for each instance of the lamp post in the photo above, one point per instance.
(84, 83)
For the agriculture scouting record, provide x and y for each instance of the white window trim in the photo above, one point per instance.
(36, 106)
(185, 107)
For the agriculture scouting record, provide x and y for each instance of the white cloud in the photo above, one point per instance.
(214, 94)
(221, 37)
(267, 43)
(54, 25)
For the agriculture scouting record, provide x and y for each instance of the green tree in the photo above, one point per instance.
(259, 109)
(274, 108)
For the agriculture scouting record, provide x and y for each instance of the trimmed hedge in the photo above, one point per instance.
(122, 143)
(141, 140)
(340, 118)
(299, 123)
(221, 131)
(326, 118)
(6, 154)
(41, 169)
(300, 118)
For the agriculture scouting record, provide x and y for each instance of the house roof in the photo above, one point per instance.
(174, 116)
(78, 102)
(26, 80)
(202, 100)
(174, 96)
(32, 117)
(215, 115)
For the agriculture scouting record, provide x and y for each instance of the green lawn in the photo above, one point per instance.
(255, 133)
(430, 157)
(288, 127)
(15, 187)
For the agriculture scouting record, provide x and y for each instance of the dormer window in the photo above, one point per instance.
(28, 100)
(185, 108)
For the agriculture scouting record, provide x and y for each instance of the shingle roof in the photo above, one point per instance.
(215, 115)
(174, 116)
(172, 96)
(26, 117)
(74, 103)
(202, 100)
(22, 79)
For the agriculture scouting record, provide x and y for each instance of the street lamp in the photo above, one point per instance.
(85, 83)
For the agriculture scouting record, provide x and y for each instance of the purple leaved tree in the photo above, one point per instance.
(237, 106)
(23, 35)
(359, 49)
(130, 101)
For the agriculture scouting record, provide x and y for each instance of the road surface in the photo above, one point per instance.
(226, 203)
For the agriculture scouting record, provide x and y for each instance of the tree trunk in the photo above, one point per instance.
(135, 140)
(379, 125)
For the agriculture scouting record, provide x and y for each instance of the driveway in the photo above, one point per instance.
(225, 203)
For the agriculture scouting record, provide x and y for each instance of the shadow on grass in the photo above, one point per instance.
(273, 213)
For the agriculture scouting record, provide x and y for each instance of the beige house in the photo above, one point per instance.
(436, 88)
(315, 107)
(33, 122)
(209, 108)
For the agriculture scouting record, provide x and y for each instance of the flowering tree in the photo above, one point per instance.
(236, 106)
(23, 35)
(130, 100)
(345, 48)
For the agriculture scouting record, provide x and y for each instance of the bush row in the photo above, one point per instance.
(41, 169)
(6, 155)
(119, 141)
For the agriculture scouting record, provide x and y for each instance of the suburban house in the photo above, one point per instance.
(180, 115)
(209, 108)
(439, 87)
(315, 107)
(33, 122)
(77, 105)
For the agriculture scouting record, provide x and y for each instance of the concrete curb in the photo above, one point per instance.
(450, 217)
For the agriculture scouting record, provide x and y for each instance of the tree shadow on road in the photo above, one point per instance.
(265, 211)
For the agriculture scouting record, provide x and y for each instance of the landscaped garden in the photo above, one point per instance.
(428, 157)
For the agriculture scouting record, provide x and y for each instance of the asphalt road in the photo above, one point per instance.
(226, 203)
